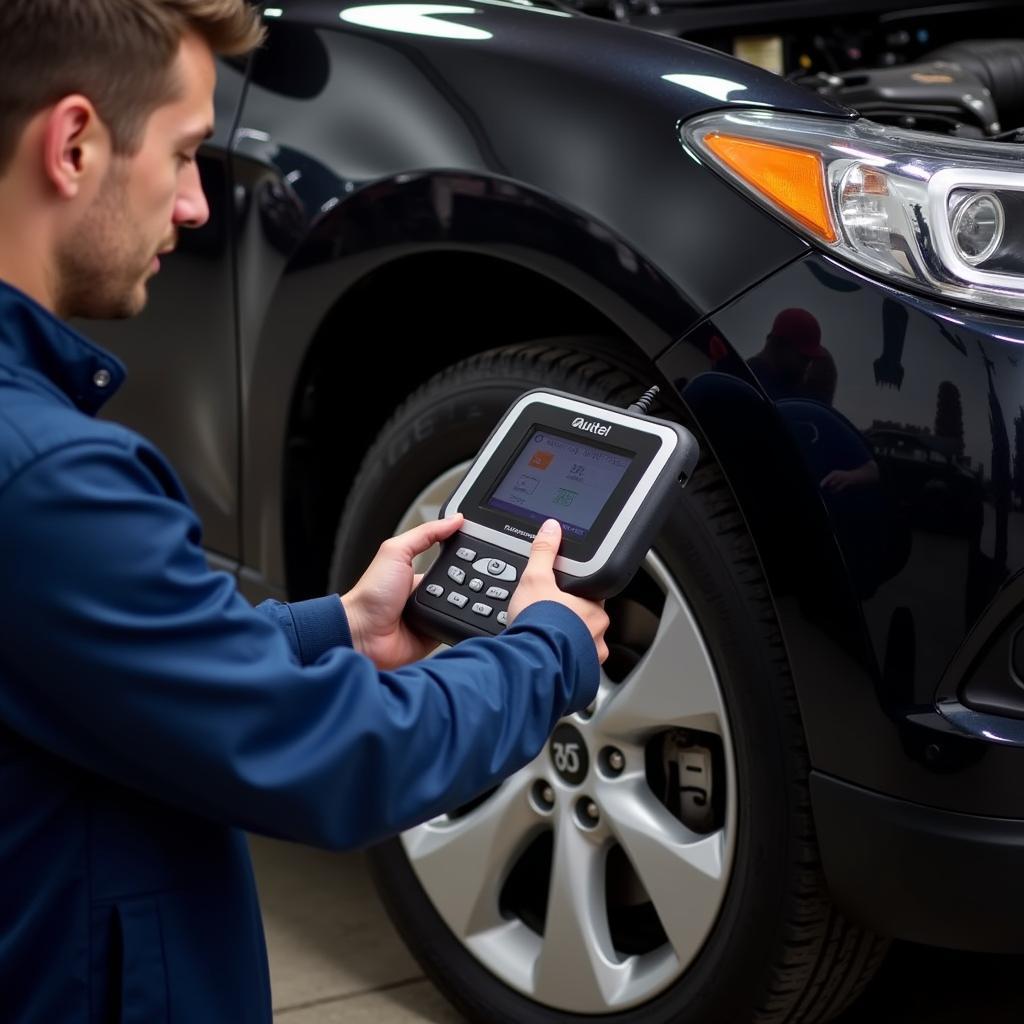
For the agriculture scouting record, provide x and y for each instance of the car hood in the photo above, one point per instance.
(521, 36)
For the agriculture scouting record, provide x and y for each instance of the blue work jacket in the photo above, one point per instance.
(148, 713)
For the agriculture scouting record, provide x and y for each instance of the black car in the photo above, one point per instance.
(809, 736)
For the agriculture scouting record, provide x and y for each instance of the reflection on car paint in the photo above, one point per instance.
(947, 492)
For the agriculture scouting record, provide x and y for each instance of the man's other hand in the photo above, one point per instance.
(374, 605)
(538, 584)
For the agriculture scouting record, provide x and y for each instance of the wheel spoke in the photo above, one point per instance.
(464, 863)
(674, 684)
(577, 965)
(428, 509)
(683, 872)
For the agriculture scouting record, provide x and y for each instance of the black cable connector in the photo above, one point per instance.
(643, 404)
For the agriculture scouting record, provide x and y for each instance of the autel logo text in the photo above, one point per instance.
(592, 426)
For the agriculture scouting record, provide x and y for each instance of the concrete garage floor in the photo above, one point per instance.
(335, 959)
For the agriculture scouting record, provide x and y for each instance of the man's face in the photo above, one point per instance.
(789, 362)
(105, 265)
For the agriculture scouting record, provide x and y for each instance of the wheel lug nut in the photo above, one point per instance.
(588, 814)
(543, 796)
(614, 760)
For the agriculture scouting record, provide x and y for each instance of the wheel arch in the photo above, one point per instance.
(474, 259)
(331, 421)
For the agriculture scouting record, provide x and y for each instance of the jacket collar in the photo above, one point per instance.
(32, 338)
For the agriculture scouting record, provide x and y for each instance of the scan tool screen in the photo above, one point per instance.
(560, 477)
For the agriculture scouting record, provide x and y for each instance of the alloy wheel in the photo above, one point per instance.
(590, 880)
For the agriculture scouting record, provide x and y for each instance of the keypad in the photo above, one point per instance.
(463, 576)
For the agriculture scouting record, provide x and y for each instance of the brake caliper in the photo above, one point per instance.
(689, 777)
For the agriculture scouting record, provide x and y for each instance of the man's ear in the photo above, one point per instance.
(76, 146)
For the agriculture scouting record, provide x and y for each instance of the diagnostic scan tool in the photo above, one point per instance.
(610, 476)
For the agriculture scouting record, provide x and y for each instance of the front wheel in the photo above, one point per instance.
(656, 862)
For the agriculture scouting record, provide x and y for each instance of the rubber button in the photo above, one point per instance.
(486, 565)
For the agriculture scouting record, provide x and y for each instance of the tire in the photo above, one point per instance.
(754, 936)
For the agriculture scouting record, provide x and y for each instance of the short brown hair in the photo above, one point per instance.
(118, 53)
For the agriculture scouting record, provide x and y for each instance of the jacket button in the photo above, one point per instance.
(101, 378)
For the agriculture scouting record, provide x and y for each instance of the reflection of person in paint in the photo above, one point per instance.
(791, 347)
(800, 375)
(819, 383)
(820, 378)
(838, 480)
(794, 364)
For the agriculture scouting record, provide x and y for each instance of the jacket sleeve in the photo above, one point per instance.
(124, 653)
(310, 627)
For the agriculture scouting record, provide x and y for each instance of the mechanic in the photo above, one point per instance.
(147, 712)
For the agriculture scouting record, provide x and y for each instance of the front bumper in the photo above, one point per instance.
(920, 873)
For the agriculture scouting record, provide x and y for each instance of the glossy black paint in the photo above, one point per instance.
(392, 145)
(879, 588)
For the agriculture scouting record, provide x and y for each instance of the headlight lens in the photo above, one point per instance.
(977, 225)
(942, 214)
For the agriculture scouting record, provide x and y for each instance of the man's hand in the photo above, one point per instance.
(374, 605)
(840, 480)
(538, 584)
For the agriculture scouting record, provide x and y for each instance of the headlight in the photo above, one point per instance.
(942, 214)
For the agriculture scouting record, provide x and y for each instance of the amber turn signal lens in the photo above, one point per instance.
(791, 179)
